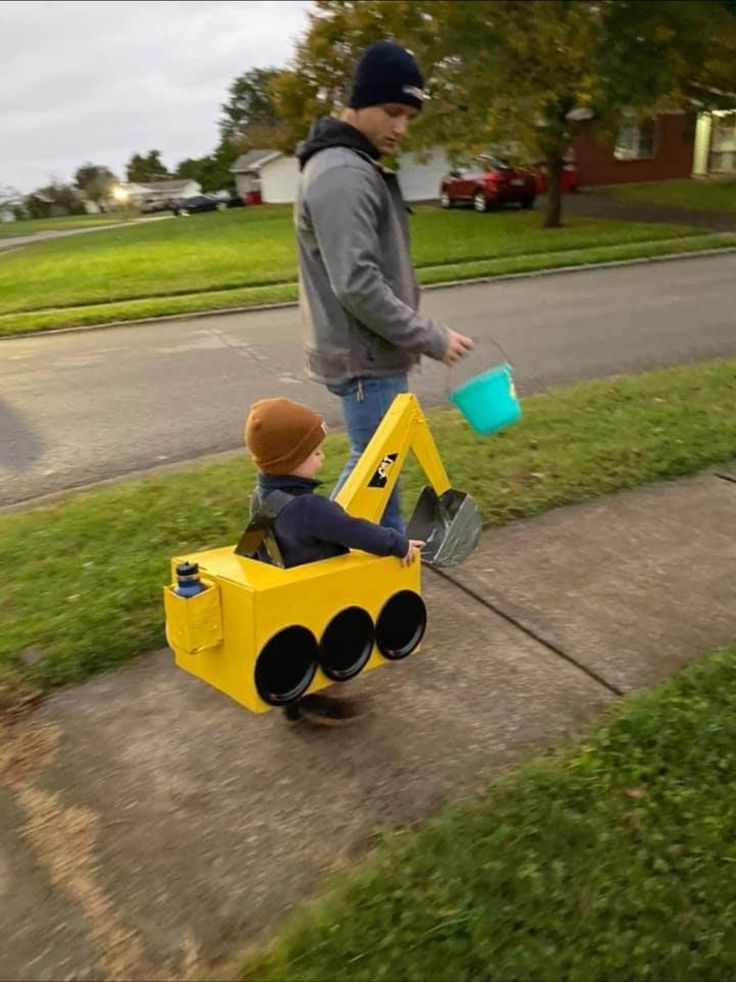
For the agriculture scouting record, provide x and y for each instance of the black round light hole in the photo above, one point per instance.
(346, 644)
(286, 666)
(401, 625)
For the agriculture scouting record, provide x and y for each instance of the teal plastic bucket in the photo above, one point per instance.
(488, 401)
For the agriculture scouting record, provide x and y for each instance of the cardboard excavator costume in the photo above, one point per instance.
(266, 636)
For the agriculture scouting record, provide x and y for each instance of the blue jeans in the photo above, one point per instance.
(364, 404)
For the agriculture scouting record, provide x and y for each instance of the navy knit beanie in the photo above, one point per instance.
(385, 73)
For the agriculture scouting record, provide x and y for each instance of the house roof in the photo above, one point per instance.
(177, 185)
(253, 160)
(709, 97)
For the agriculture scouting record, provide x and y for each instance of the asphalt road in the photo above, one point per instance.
(83, 407)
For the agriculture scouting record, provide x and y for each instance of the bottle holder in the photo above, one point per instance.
(193, 624)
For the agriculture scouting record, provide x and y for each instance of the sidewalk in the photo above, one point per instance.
(149, 827)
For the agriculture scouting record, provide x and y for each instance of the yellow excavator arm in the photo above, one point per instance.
(446, 520)
(404, 428)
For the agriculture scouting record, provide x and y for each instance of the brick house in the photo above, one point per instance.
(658, 149)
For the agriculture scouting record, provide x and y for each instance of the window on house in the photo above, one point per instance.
(635, 142)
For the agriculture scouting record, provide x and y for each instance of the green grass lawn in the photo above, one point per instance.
(85, 575)
(9, 230)
(248, 256)
(700, 195)
(613, 860)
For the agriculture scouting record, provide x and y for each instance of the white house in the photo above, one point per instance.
(159, 192)
(275, 175)
(420, 179)
(279, 179)
(247, 171)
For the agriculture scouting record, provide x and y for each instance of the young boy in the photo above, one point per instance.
(285, 439)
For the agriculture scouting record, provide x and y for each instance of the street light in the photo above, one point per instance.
(121, 197)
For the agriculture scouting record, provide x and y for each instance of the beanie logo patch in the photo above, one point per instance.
(380, 478)
(413, 90)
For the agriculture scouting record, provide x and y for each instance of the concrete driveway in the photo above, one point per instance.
(16, 241)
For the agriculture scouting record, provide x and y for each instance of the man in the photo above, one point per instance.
(359, 295)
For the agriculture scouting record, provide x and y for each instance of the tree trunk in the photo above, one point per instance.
(553, 205)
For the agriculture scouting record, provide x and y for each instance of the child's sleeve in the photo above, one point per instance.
(328, 522)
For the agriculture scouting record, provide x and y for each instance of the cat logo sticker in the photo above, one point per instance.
(380, 478)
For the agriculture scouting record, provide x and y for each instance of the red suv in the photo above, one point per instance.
(568, 181)
(491, 184)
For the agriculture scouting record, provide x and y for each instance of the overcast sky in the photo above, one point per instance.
(100, 79)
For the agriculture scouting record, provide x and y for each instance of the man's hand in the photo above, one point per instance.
(457, 346)
(415, 547)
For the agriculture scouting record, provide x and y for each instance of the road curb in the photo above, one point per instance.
(156, 469)
(585, 268)
(448, 284)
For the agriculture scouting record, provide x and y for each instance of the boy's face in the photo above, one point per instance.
(312, 465)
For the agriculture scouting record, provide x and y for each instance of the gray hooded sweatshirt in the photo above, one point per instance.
(358, 293)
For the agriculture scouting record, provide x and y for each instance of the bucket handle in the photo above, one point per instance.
(450, 368)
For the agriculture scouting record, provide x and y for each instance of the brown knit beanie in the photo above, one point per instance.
(281, 434)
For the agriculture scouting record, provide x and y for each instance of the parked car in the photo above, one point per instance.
(231, 199)
(151, 205)
(488, 185)
(205, 202)
(568, 183)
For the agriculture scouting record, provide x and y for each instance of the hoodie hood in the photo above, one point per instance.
(329, 132)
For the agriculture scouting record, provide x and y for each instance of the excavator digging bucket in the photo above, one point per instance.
(450, 524)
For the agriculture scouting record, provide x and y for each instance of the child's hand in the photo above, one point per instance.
(415, 547)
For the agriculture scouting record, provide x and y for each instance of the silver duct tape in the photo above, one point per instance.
(450, 525)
